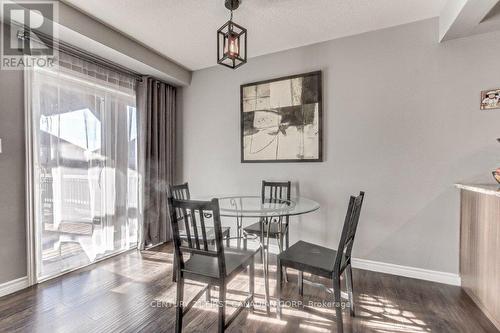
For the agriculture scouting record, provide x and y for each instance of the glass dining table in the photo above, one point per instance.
(268, 211)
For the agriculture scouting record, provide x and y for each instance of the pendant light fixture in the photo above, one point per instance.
(232, 41)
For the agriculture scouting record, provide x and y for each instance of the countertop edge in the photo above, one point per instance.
(481, 188)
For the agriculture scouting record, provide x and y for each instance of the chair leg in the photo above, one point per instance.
(208, 296)
(301, 283)
(279, 239)
(350, 289)
(338, 303)
(279, 285)
(287, 237)
(251, 283)
(178, 305)
(222, 308)
(174, 268)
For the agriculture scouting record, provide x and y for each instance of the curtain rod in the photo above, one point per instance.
(82, 54)
(159, 81)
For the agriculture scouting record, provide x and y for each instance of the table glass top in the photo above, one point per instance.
(252, 206)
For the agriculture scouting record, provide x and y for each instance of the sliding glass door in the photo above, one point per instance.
(84, 168)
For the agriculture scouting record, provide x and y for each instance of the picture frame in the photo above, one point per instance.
(281, 119)
(490, 99)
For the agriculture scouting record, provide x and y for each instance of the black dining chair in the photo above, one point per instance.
(273, 191)
(181, 192)
(214, 265)
(325, 262)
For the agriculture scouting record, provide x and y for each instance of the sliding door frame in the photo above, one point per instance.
(31, 233)
(32, 230)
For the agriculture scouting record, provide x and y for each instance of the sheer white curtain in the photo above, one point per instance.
(85, 164)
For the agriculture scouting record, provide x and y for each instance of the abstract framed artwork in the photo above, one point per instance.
(281, 119)
(490, 99)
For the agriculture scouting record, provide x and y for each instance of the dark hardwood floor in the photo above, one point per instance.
(134, 292)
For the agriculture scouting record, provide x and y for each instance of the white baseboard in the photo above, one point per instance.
(12, 286)
(411, 272)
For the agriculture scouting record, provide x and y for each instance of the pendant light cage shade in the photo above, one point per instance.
(231, 45)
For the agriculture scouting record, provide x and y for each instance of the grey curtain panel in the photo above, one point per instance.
(156, 101)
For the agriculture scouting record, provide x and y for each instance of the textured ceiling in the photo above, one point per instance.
(185, 30)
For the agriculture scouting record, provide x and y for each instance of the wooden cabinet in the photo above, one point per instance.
(480, 247)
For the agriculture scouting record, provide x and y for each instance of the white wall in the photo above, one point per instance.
(401, 122)
(12, 177)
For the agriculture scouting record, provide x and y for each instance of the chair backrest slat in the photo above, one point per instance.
(195, 230)
(190, 209)
(203, 232)
(185, 217)
(196, 251)
(179, 192)
(344, 251)
(277, 191)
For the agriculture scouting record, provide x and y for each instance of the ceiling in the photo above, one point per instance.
(185, 30)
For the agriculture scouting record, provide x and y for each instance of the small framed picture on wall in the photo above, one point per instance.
(490, 99)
